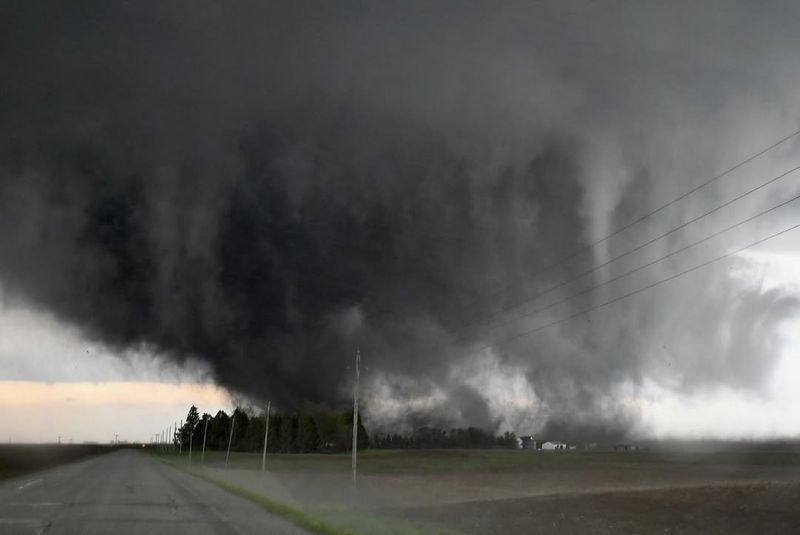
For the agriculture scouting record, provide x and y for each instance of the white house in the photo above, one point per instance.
(554, 445)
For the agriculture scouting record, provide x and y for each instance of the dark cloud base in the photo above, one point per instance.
(267, 188)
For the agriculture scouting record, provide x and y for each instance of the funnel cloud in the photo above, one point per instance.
(267, 187)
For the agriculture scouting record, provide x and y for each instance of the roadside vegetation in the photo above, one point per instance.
(502, 491)
(460, 461)
(321, 517)
(320, 429)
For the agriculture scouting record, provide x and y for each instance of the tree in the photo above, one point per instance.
(202, 429)
(254, 435)
(314, 429)
(218, 429)
(288, 435)
(275, 427)
(189, 426)
(347, 427)
(331, 428)
(507, 440)
(240, 425)
(307, 435)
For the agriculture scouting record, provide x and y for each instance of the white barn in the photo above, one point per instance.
(554, 445)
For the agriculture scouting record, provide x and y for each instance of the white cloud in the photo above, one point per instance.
(54, 382)
(36, 347)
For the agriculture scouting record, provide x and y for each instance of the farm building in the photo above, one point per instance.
(527, 442)
(554, 445)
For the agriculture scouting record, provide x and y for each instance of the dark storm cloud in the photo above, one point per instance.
(267, 186)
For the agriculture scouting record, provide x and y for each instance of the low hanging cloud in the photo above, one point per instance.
(268, 187)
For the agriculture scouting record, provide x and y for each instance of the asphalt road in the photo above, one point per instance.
(128, 492)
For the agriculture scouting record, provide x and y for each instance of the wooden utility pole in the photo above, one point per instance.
(230, 440)
(355, 415)
(205, 432)
(266, 438)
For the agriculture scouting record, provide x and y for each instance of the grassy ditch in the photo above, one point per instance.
(320, 519)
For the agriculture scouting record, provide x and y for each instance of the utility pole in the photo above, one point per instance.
(205, 432)
(355, 415)
(266, 438)
(180, 439)
(191, 435)
(230, 440)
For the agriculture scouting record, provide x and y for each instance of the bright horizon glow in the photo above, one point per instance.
(56, 382)
(41, 412)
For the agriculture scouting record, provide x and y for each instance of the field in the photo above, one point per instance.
(18, 459)
(734, 490)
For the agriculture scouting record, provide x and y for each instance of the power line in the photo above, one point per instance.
(623, 228)
(635, 249)
(642, 267)
(634, 292)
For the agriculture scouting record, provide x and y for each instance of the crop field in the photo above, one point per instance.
(743, 490)
(18, 459)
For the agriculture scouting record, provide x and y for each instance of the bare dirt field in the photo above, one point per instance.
(756, 508)
(738, 490)
(16, 459)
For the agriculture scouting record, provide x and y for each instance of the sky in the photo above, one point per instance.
(230, 200)
(90, 393)
(94, 395)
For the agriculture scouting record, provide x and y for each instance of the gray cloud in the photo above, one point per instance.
(264, 187)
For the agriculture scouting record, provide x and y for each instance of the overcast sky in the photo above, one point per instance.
(240, 195)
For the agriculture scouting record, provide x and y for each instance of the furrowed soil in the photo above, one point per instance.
(745, 490)
(756, 508)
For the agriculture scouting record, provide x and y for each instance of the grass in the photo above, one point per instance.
(18, 459)
(406, 461)
(294, 515)
(324, 520)
(496, 461)
(414, 491)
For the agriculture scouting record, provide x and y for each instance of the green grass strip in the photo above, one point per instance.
(372, 524)
(295, 516)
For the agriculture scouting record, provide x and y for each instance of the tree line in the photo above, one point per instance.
(437, 438)
(320, 429)
(313, 430)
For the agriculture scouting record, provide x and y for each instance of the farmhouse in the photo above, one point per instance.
(554, 445)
